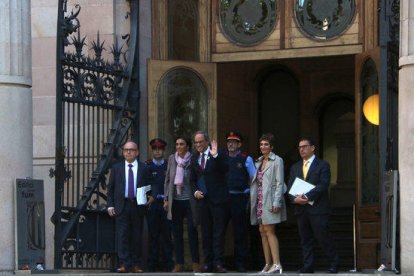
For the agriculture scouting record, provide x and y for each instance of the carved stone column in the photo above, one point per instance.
(405, 131)
(16, 146)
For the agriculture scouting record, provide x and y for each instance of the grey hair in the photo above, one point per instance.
(204, 133)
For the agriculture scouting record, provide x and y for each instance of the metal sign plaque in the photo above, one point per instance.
(30, 224)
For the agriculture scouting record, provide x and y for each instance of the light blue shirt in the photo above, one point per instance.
(158, 163)
(250, 167)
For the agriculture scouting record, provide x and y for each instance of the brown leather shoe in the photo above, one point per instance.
(137, 269)
(178, 268)
(122, 269)
(196, 267)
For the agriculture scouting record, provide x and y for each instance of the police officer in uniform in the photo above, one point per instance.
(241, 171)
(159, 226)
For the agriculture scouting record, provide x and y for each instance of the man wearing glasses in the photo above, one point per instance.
(312, 208)
(241, 172)
(208, 178)
(125, 178)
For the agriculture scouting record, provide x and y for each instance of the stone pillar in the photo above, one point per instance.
(16, 142)
(405, 131)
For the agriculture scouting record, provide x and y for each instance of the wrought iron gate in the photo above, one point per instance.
(389, 42)
(96, 110)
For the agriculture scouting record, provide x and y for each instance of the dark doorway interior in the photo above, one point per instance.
(279, 112)
(283, 109)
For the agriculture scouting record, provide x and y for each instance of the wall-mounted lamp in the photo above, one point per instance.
(371, 109)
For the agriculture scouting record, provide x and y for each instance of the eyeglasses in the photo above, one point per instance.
(128, 150)
(199, 142)
(303, 146)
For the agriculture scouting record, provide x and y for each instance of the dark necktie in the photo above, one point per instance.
(203, 161)
(131, 193)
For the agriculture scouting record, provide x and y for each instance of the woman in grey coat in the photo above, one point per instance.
(267, 201)
(180, 203)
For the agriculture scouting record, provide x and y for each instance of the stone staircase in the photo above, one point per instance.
(341, 229)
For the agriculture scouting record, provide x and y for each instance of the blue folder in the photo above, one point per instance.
(201, 184)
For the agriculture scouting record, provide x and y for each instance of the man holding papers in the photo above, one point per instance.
(308, 189)
(126, 177)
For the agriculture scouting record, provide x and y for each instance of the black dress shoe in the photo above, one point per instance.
(241, 268)
(305, 270)
(220, 269)
(206, 268)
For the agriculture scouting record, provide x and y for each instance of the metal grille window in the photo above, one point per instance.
(182, 105)
(324, 19)
(247, 22)
(369, 139)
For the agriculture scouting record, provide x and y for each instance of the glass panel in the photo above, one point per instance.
(182, 105)
(247, 22)
(183, 30)
(369, 140)
(324, 19)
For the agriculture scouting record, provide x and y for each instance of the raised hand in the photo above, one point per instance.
(213, 149)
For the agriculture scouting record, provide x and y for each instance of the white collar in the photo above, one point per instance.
(310, 160)
(134, 164)
(206, 151)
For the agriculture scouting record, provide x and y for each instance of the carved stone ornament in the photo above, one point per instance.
(247, 22)
(324, 19)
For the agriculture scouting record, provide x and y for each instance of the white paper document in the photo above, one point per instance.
(142, 194)
(300, 186)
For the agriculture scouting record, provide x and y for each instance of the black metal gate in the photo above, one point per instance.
(96, 110)
(389, 42)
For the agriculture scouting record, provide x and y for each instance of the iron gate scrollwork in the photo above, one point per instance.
(96, 110)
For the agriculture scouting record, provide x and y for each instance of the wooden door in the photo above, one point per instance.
(182, 99)
(368, 217)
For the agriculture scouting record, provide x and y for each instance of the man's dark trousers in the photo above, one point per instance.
(130, 224)
(159, 228)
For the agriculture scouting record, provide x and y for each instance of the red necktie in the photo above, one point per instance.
(203, 161)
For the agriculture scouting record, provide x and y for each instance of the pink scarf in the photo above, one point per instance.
(179, 172)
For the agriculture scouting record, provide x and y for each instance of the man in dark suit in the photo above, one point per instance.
(126, 177)
(312, 208)
(208, 179)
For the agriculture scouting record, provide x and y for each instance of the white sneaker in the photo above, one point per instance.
(276, 268)
(265, 268)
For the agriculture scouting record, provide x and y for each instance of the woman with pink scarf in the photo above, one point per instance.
(180, 204)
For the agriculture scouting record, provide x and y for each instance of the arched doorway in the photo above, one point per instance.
(279, 114)
(285, 109)
(337, 135)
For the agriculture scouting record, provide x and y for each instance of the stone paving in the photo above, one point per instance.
(230, 273)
